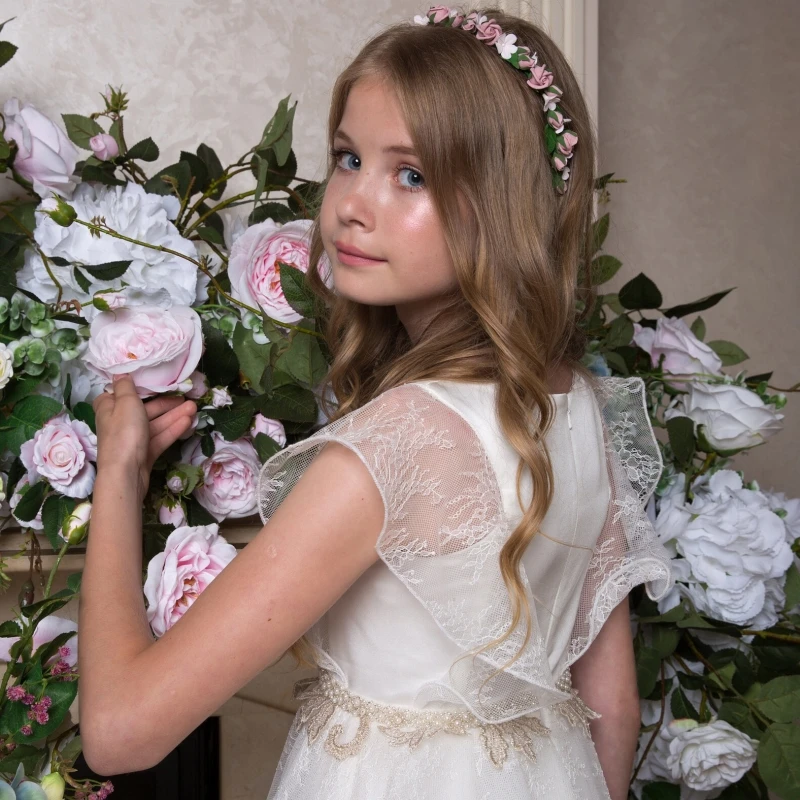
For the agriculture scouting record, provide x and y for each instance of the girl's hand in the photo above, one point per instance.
(134, 434)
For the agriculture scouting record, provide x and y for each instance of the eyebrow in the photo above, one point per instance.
(395, 148)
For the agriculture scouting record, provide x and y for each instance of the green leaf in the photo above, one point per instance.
(681, 706)
(729, 352)
(53, 518)
(681, 439)
(698, 305)
(289, 402)
(277, 125)
(278, 176)
(197, 515)
(214, 169)
(694, 621)
(198, 171)
(665, 640)
(792, 588)
(233, 421)
(82, 280)
(661, 790)
(617, 362)
(779, 699)
(61, 694)
(779, 759)
(600, 231)
(80, 129)
(218, 362)
(648, 665)
(295, 289)
(266, 447)
(146, 150)
(84, 412)
(604, 268)
(172, 180)
(212, 235)
(74, 581)
(307, 196)
(28, 507)
(640, 292)
(262, 168)
(108, 271)
(253, 357)
(698, 328)
(277, 212)
(620, 333)
(303, 360)
(10, 628)
(601, 182)
(7, 51)
(104, 175)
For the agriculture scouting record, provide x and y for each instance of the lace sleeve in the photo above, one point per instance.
(627, 552)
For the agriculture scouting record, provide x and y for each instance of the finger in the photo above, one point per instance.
(161, 423)
(160, 442)
(160, 405)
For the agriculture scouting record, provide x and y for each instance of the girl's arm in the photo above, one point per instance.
(605, 678)
(140, 698)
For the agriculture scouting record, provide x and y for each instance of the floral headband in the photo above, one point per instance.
(560, 142)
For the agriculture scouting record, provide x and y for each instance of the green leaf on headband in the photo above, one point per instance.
(550, 138)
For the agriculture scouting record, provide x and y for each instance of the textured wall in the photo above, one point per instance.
(700, 112)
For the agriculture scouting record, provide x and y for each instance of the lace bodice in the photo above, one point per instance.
(447, 477)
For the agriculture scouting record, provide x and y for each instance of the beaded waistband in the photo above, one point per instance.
(322, 695)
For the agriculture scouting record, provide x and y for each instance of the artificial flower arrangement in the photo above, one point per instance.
(105, 269)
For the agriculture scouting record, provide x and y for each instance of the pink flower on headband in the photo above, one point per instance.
(551, 98)
(529, 62)
(541, 78)
(489, 32)
(569, 141)
(560, 161)
(472, 21)
(441, 12)
(556, 120)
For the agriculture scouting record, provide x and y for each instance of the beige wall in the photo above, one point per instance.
(700, 112)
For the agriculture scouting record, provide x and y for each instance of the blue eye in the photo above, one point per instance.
(336, 154)
(417, 176)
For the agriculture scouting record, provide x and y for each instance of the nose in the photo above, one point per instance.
(357, 202)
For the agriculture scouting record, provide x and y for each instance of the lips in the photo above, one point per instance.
(350, 250)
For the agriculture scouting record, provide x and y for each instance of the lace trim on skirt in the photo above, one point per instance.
(322, 695)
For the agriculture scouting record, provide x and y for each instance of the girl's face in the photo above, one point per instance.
(377, 202)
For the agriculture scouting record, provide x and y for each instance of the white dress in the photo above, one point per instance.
(403, 706)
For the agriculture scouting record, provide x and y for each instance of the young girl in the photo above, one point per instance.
(455, 548)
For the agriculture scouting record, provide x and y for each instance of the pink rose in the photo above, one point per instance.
(192, 558)
(489, 32)
(471, 21)
(104, 147)
(271, 427)
(200, 386)
(45, 156)
(45, 632)
(61, 453)
(551, 97)
(253, 266)
(172, 515)
(230, 476)
(540, 78)
(530, 61)
(440, 12)
(560, 161)
(158, 347)
(555, 119)
(570, 139)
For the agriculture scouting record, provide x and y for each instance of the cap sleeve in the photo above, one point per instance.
(628, 551)
(443, 531)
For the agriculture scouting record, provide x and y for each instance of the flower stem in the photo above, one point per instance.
(55, 568)
(657, 728)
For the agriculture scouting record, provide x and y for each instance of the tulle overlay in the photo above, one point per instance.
(405, 634)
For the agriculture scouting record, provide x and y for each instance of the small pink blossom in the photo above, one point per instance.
(540, 78)
(570, 139)
(26, 730)
(440, 13)
(489, 32)
(560, 161)
(555, 119)
(47, 630)
(16, 692)
(172, 515)
(61, 453)
(104, 147)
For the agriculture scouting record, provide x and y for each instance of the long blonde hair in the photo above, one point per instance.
(517, 246)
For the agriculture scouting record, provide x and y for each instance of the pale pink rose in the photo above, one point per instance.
(555, 119)
(192, 558)
(439, 12)
(199, 386)
(45, 156)
(35, 523)
(271, 427)
(472, 21)
(570, 140)
(114, 299)
(560, 161)
(158, 347)
(531, 59)
(457, 20)
(220, 397)
(174, 515)
(540, 77)
(104, 147)
(551, 97)
(230, 476)
(47, 630)
(684, 353)
(61, 453)
(253, 266)
(489, 32)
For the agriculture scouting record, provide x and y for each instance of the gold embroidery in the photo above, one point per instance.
(409, 727)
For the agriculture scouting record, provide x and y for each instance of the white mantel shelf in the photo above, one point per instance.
(13, 542)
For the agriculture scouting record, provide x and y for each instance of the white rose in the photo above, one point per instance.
(734, 543)
(789, 510)
(62, 453)
(684, 353)
(731, 417)
(253, 266)
(230, 476)
(45, 156)
(271, 427)
(220, 397)
(6, 365)
(153, 277)
(709, 756)
(158, 347)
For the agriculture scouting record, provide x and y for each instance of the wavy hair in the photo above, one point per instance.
(516, 244)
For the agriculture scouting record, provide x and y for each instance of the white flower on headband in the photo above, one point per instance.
(420, 20)
(505, 45)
